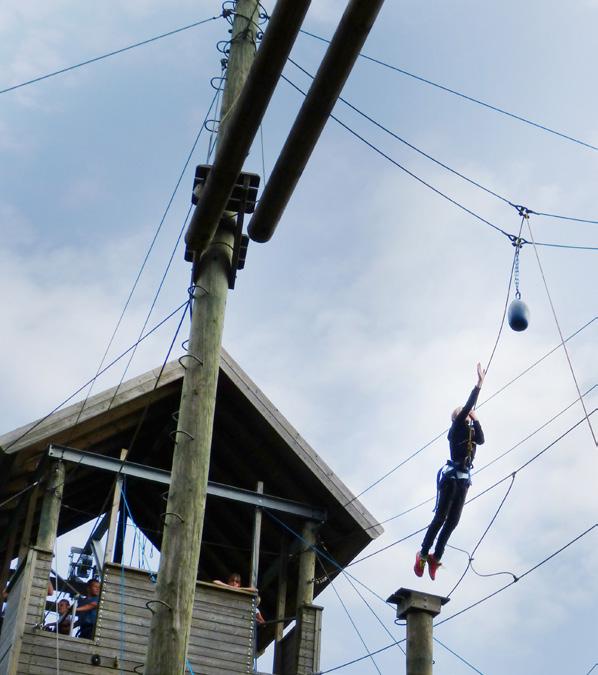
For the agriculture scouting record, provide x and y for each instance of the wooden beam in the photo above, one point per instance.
(281, 603)
(27, 526)
(348, 39)
(307, 565)
(48, 524)
(244, 118)
(116, 498)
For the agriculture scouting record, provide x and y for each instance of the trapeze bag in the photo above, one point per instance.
(518, 315)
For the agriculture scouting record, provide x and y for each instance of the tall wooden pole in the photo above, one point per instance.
(183, 521)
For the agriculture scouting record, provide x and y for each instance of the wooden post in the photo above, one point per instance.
(257, 531)
(419, 609)
(281, 601)
(26, 534)
(307, 565)
(10, 545)
(112, 523)
(183, 520)
(48, 523)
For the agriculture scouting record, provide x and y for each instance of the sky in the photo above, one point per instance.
(365, 315)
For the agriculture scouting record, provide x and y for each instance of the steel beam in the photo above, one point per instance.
(244, 122)
(103, 463)
(348, 39)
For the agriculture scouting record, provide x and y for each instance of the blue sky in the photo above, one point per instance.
(364, 317)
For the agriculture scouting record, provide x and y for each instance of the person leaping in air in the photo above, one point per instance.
(453, 481)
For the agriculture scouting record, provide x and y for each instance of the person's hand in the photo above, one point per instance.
(481, 375)
(473, 416)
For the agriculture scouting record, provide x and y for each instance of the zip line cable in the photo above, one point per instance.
(407, 171)
(475, 548)
(355, 628)
(558, 325)
(521, 576)
(360, 658)
(322, 553)
(448, 649)
(475, 215)
(534, 458)
(331, 582)
(164, 363)
(475, 604)
(142, 418)
(108, 54)
(492, 396)
(465, 96)
(358, 592)
(485, 466)
(480, 574)
(480, 494)
(149, 250)
(151, 309)
(78, 391)
(405, 142)
(533, 433)
(438, 162)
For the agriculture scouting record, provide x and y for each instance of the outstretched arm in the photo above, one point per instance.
(481, 376)
(473, 397)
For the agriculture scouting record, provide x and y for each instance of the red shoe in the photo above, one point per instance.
(433, 565)
(420, 564)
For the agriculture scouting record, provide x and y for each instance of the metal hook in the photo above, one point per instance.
(173, 433)
(160, 602)
(191, 356)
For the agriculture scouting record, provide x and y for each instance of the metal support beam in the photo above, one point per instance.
(349, 37)
(81, 457)
(244, 121)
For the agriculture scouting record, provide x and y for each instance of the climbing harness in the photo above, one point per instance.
(451, 471)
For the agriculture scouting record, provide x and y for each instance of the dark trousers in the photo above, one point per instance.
(451, 498)
(86, 631)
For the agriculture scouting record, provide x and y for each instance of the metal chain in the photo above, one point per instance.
(516, 270)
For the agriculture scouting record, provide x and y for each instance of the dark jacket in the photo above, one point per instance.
(460, 432)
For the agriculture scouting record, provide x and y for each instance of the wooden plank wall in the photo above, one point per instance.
(309, 626)
(288, 647)
(301, 646)
(9, 625)
(221, 642)
(18, 603)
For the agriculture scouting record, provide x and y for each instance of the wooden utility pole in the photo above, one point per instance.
(183, 521)
(419, 609)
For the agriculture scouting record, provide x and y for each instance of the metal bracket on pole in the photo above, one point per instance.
(242, 200)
